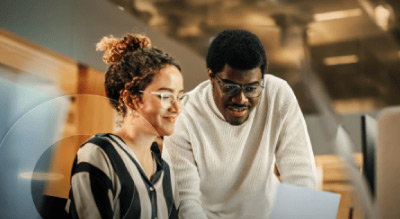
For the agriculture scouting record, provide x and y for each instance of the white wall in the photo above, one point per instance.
(73, 27)
(350, 122)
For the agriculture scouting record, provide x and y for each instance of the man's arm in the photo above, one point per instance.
(294, 155)
(186, 173)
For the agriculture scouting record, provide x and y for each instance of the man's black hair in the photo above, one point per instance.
(240, 49)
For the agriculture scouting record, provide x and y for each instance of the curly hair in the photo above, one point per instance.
(133, 64)
(240, 49)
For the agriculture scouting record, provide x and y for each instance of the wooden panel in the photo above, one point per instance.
(91, 81)
(333, 167)
(94, 113)
(20, 54)
(334, 178)
(90, 113)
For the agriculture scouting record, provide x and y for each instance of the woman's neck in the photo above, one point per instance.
(135, 139)
(140, 143)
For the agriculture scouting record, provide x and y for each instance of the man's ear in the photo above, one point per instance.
(210, 74)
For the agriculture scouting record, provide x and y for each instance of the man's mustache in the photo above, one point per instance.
(238, 105)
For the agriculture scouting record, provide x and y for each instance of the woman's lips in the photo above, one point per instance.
(170, 119)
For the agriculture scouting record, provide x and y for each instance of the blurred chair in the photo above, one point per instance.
(369, 132)
(388, 163)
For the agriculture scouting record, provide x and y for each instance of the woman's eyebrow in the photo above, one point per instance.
(168, 89)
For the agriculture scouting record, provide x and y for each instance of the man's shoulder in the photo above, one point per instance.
(200, 88)
(198, 95)
(272, 79)
(196, 105)
(275, 85)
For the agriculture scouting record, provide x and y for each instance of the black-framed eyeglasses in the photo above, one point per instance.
(168, 99)
(230, 89)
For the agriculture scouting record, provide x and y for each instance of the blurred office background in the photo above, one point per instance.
(352, 46)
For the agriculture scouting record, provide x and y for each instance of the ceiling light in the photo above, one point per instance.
(121, 8)
(338, 14)
(382, 14)
(340, 60)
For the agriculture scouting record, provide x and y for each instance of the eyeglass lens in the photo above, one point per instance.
(249, 91)
(167, 100)
(234, 89)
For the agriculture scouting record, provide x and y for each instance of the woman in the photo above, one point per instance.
(122, 174)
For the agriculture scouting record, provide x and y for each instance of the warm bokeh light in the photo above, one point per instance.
(340, 60)
(338, 14)
(41, 176)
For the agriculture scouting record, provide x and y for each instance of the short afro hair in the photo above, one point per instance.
(240, 49)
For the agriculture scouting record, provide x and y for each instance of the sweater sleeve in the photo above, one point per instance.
(294, 155)
(186, 172)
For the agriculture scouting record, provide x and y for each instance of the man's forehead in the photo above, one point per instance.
(241, 82)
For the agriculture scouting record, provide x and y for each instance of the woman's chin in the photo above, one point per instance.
(166, 132)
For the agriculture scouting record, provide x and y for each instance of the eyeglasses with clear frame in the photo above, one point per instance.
(168, 99)
(230, 89)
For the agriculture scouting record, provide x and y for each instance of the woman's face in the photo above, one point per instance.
(168, 80)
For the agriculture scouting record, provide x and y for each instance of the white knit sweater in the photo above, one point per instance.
(226, 171)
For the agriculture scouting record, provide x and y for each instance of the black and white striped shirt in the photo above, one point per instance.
(107, 181)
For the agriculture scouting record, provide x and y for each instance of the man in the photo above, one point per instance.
(233, 129)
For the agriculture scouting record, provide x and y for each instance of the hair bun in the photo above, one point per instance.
(115, 49)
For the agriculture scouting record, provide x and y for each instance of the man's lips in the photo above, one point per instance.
(238, 110)
(237, 107)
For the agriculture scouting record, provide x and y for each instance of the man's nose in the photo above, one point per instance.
(240, 98)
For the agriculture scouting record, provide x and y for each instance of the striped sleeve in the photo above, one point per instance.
(92, 192)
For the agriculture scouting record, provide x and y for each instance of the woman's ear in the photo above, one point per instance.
(137, 104)
(131, 101)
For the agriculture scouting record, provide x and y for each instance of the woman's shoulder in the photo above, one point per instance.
(95, 151)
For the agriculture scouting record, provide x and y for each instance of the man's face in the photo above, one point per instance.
(236, 108)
